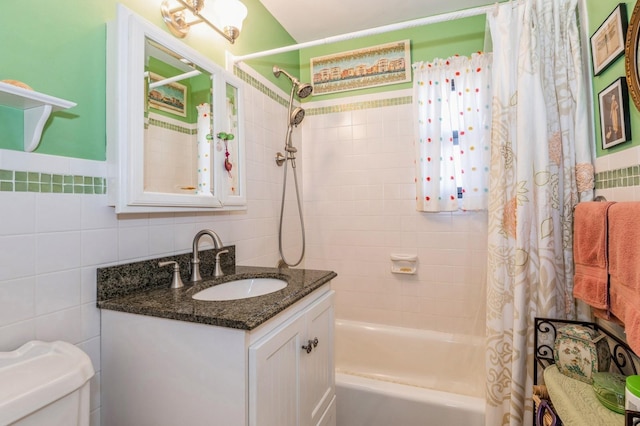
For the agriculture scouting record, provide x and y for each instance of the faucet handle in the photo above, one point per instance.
(176, 282)
(218, 269)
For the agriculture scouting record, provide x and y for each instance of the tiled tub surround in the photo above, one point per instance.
(143, 288)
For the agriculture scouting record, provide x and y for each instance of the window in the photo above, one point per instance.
(452, 99)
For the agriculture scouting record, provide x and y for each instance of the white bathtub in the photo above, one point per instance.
(406, 377)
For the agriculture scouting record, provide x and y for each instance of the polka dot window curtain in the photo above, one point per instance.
(452, 99)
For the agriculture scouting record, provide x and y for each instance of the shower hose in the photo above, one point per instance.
(284, 190)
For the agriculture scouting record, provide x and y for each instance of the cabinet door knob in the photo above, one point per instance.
(310, 345)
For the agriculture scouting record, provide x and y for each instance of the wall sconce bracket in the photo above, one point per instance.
(176, 17)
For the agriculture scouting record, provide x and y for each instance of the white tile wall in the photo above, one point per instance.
(360, 208)
(163, 143)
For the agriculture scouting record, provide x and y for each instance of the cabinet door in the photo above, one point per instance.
(229, 152)
(317, 386)
(274, 365)
(329, 417)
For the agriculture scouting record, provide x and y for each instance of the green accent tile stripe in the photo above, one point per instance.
(404, 100)
(253, 82)
(20, 181)
(618, 178)
(169, 126)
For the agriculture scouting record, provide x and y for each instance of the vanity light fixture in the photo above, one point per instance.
(180, 15)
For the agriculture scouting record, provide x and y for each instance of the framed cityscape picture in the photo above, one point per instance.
(380, 65)
(170, 97)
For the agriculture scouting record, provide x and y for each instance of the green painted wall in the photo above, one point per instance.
(598, 11)
(59, 48)
(441, 40)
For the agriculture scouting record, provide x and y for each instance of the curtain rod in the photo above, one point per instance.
(378, 30)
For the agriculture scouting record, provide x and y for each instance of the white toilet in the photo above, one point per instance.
(45, 384)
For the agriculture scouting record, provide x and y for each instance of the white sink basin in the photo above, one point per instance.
(241, 289)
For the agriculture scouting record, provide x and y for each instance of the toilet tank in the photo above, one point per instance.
(45, 384)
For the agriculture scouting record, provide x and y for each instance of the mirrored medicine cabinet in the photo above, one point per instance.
(175, 137)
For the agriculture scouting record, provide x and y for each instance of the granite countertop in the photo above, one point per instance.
(244, 314)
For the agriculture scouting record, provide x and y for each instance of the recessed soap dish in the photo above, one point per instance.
(404, 263)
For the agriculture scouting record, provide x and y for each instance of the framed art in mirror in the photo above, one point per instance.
(615, 126)
(608, 42)
(170, 97)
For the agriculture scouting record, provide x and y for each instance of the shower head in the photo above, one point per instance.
(296, 116)
(304, 89)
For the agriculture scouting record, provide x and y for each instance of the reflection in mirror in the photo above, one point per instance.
(178, 124)
(230, 140)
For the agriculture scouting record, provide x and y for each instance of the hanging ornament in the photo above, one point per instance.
(226, 137)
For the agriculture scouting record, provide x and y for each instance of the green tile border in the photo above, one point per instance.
(176, 128)
(22, 181)
(354, 106)
(253, 82)
(618, 178)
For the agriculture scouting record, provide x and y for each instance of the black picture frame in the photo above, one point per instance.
(613, 102)
(608, 41)
(632, 418)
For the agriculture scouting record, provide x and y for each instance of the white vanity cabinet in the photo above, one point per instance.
(291, 371)
(158, 371)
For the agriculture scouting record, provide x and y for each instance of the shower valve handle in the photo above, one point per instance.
(310, 345)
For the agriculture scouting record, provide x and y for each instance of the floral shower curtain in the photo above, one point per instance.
(453, 105)
(541, 166)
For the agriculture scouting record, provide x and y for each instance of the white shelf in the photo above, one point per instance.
(37, 108)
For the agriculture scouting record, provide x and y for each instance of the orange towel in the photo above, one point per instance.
(591, 283)
(624, 268)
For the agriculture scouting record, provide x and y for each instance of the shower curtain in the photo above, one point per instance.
(204, 148)
(541, 166)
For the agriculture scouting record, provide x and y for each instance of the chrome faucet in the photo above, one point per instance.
(195, 260)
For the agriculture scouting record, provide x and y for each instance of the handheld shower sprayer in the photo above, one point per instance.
(296, 115)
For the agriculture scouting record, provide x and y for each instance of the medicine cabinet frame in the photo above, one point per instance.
(127, 89)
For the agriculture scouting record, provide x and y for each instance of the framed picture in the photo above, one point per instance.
(615, 127)
(632, 418)
(171, 97)
(380, 65)
(608, 42)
